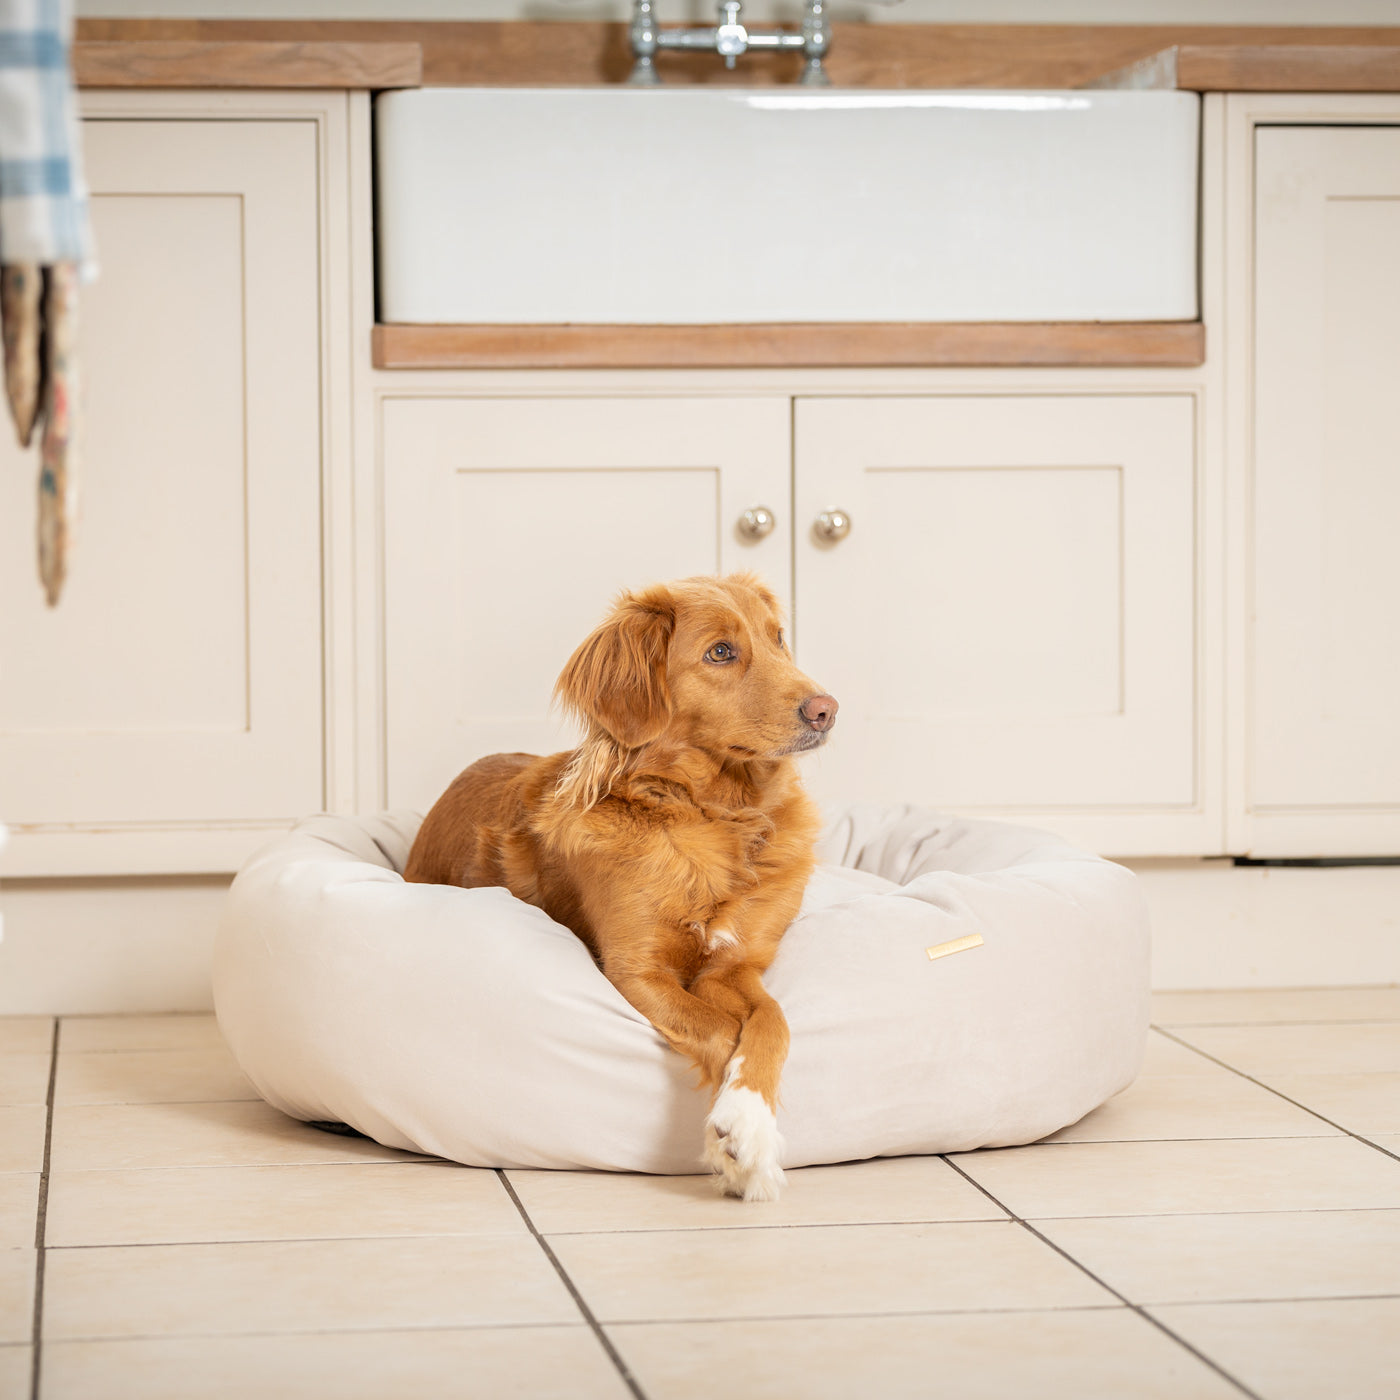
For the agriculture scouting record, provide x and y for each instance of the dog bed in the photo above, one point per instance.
(949, 984)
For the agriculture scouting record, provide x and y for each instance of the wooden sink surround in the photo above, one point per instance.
(393, 54)
(804, 345)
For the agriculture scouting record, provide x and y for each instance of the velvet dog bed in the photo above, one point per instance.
(950, 985)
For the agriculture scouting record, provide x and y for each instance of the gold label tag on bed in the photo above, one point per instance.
(954, 945)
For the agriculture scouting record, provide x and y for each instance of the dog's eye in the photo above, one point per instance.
(780, 637)
(720, 652)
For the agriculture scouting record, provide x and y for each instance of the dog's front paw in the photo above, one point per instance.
(742, 1143)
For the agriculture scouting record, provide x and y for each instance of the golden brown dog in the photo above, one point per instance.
(675, 841)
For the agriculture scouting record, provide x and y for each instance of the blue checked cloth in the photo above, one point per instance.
(43, 198)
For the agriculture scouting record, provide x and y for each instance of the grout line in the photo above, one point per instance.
(630, 1231)
(207, 1048)
(1267, 1210)
(1321, 1117)
(847, 1314)
(1006, 1312)
(633, 1230)
(1267, 1025)
(41, 1218)
(396, 1329)
(628, 1379)
(147, 1103)
(1265, 1302)
(376, 1329)
(1122, 1298)
(617, 1322)
(703, 1229)
(1213, 1137)
(408, 1160)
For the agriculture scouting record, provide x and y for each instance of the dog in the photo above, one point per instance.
(675, 841)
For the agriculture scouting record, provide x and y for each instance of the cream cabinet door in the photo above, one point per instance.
(510, 525)
(1010, 624)
(177, 687)
(1322, 701)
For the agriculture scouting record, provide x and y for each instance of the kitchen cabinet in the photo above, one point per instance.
(1009, 626)
(510, 524)
(169, 713)
(1010, 622)
(1320, 571)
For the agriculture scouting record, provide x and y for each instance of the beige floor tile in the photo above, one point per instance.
(670, 1276)
(888, 1190)
(532, 1363)
(16, 1367)
(19, 1208)
(174, 1032)
(1324, 1049)
(1165, 1056)
(24, 1079)
(1361, 1103)
(22, 1131)
(1331, 1350)
(1214, 1258)
(16, 1295)
(183, 1205)
(202, 1074)
(1389, 1141)
(249, 1133)
(302, 1286)
(1187, 1178)
(1111, 1354)
(1283, 1004)
(26, 1035)
(1194, 1106)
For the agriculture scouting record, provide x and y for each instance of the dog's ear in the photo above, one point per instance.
(617, 677)
(751, 581)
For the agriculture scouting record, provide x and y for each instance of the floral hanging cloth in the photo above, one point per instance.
(45, 243)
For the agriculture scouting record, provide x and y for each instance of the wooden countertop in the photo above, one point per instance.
(1266, 68)
(245, 63)
(373, 54)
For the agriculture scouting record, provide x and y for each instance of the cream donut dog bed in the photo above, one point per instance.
(467, 1024)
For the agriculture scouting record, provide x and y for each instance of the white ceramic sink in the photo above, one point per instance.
(539, 205)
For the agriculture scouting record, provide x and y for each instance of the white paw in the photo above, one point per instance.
(742, 1143)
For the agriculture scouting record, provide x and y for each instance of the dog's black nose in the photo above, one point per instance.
(819, 711)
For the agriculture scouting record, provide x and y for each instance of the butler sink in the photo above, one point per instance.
(679, 206)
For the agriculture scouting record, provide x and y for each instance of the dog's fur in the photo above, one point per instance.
(675, 841)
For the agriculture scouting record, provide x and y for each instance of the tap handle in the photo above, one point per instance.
(816, 40)
(731, 38)
(644, 45)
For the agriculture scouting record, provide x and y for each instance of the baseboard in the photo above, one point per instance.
(136, 944)
(139, 943)
(1215, 924)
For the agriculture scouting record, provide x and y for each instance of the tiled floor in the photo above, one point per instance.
(1228, 1226)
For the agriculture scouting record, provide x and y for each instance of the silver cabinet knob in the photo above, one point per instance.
(832, 525)
(756, 522)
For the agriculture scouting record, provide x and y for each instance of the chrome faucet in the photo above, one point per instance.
(729, 38)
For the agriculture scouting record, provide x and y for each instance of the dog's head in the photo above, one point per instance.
(702, 662)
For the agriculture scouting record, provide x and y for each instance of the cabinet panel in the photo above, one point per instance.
(509, 527)
(179, 680)
(1010, 624)
(1324, 574)
(163, 664)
